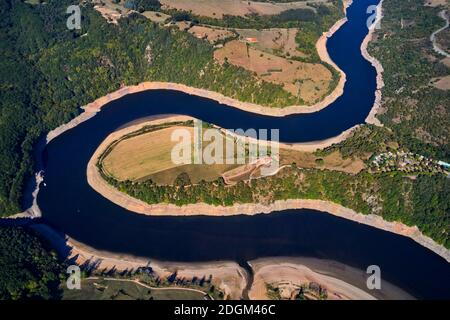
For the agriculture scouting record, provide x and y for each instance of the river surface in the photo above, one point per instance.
(70, 205)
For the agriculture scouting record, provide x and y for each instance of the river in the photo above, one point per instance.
(69, 204)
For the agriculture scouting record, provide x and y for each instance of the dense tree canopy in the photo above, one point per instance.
(27, 269)
(416, 111)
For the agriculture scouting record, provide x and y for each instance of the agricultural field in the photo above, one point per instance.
(219, 8)
(148, 156)
(196, 173)
(332, 161)
(435, 3)
(276, 41)
(309, 81)
(273, 41)
(212, 34)
(442, 83)
(153, 155)
(155, 16)
(112, 11)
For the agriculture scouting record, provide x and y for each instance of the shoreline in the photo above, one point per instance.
(33, 211)
(91, 109)
(342, 281)
(322, 51)
(228, 276)
(371, 118)
(138, 206)
(287, 277)
(127, 202)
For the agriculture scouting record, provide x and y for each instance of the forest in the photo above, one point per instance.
(28, 268)
(416, 112)
(142, 5)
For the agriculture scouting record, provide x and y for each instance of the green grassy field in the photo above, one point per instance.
(196, 172)
(101, 289)
(144, 154)
(148, 156)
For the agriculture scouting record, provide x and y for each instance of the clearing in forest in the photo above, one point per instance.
(277, 41)
(211, 34)
(219, 8)
(308, 81)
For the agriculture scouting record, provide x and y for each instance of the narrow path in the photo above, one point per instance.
(443, 15)
(150, 287)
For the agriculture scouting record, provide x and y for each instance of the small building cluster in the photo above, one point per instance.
(406, 162)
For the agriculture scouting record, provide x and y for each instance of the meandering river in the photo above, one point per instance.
(71, 206)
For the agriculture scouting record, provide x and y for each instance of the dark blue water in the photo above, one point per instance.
(71, 206)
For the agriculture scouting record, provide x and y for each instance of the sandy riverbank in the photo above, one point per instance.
(246, 106)
(34, 211)
(93, 108)
(289, 277)
(228, 276)
(371, 118)
(341, 281)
